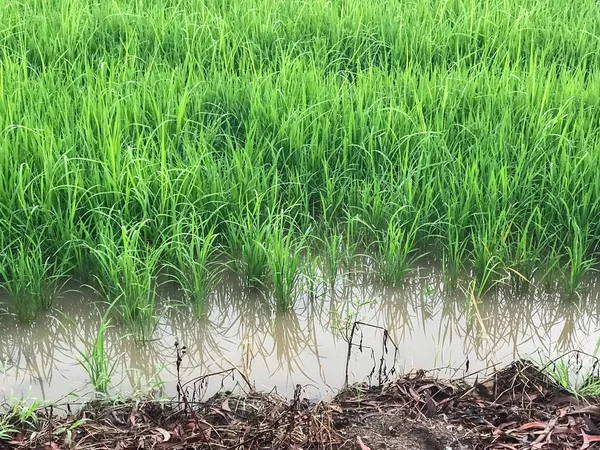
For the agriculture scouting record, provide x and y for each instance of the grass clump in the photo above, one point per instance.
(127, 275)
(192, 264)
(285, 256)
(396, 250)
(94, 360)
(28, 279)
(479, 120)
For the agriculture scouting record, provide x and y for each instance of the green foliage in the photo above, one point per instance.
(126, 266)
(193, 251)
(120, 120)
(396, 249)
(27, 277)
(285, 256)
(94, 360)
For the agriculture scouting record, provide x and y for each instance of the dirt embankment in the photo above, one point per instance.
(516, 408)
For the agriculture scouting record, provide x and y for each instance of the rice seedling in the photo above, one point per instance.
(396, 250)
(193, 252)
(249, 236)
(333, 255)
(285, 256)
(27, 276)
(7, 429)
(95, 360)
(18, 413)
(479, 120)
(582, 383)
(126, 269)
(579, 263)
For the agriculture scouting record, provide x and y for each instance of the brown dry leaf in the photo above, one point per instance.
(219, 412)
(166, 435)
(590, 437)
(426, 386)
(225, 405)
(587, 439)
(592, 410)
(414, 395)
(502, 445)
(336, 408)
(361, 444)
(51, 446)
(532, 426)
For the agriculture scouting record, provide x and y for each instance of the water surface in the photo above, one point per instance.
(433, 327)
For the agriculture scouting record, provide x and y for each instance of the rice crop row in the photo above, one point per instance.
(140, 135)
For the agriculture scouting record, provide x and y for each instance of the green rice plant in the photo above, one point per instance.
(28, 279)
(126, 273)
(454, 252)
(333, 255)
(566, 374)
(525, 254)
(249, 235)
(95, 360)
(312, 272)
(481, 116)
(19, 413)
(486, 265)
(579, 262)
(7, 430)
(193, 252)
(285, 256)
(397, 250)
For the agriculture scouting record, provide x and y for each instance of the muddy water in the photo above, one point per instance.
(432, 326)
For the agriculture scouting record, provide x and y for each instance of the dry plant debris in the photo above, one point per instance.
(515, 408)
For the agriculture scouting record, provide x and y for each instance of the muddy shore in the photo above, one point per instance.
(515, 408)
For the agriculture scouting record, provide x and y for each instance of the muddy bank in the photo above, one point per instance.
(515, 408)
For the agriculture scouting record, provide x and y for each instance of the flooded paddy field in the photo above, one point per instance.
(432, 325)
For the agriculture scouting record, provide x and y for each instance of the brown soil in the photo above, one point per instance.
(516, 408)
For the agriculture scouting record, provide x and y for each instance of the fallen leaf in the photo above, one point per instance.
(219, 412)
(51, 446)
(361, 444)
(592, 410)
(336, 408)
(590, 437)
(165, 433)
(225, 405)
(532, 426)
(502, 445)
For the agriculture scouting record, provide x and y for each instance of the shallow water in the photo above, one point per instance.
(432, 326)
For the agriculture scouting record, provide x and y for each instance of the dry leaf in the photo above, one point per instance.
(225, 406)
(361, 444)
(532, 426)
(165, 433)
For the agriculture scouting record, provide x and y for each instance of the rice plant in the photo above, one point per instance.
(396, 250)
(333, 255)
(28, 279)
(579, 262)
(249, 236)
(479, 120)
(127, 273)
(285, 256)
(193, 252)
(95, 360)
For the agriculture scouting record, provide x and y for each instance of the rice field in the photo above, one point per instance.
(146, 138)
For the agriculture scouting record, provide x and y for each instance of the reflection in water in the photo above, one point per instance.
(432, 325)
